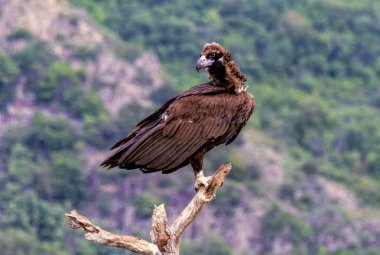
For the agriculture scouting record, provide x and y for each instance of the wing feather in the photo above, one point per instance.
(181, 140)
(138, 142)
(146, 148)
(158, 152)
(172, 127)
(202, 115)
(182, 154)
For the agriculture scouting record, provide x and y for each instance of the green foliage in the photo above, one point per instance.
(99, 131)
(17, 242)
(144, 204)
(311, 62)
(243, 172)
(211, 244)
(43, 156)
(20, 166)
(63, 86)
(228, 199)
(129, 51)
(33, 215)
(129, 116)
(312, 66)
(85, 53)
(309, 124)
(20, 34)
(60, 84)
(34, 60)
(67, 180)
(87, 104)
(276, 221)
(8, 73)
(55, 83)
(310, 167)
(10, 137)
(368, 189)
(49, 133)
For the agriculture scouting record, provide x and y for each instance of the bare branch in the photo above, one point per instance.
(203, 197)
(98, 235)
(165, 239)
(159, 233)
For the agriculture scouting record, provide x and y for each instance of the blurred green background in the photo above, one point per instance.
(76, 76)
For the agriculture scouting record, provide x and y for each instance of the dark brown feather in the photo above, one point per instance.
(187, 126)
(196, 117)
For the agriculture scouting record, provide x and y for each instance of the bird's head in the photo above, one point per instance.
(212, 54)
(222, 70)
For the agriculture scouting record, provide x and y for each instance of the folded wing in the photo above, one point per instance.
(166, 139)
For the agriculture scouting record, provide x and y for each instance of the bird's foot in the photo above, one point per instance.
(201, 181)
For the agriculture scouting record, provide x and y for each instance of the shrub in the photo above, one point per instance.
(20, 166)
(242, 171)
(144, 204)
(85, 53)
(68, 183)
(62, 84)
(20, 34)
(89, 104)
(100, 131)
(51, 133)
(8, 74)
(211, 244)
(27, 212)
(11, 136)
(18, 242)
(34, 61)
(227, 200)
(276, 221)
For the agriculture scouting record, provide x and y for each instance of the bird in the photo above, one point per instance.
(188, 125)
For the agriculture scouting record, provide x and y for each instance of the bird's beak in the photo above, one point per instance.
(203, 62)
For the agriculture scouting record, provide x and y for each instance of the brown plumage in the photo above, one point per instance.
(183, 129)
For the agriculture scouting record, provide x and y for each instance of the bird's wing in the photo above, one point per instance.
(247, 107)
(155, 117)
(188, 124)
(166, 139)
(202, 89)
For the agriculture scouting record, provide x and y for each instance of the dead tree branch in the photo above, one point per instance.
(165, 239)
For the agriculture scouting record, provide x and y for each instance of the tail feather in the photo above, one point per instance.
(122, 147)
(149, 150)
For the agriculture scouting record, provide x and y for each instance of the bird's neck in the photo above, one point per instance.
(228, 76)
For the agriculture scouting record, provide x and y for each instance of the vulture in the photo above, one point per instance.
(190, 124)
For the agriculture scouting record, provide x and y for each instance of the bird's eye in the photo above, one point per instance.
(212, 54)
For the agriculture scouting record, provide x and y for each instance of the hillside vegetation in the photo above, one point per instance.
(306, 170)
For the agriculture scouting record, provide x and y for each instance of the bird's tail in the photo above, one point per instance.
(113, 160)
(126, 151)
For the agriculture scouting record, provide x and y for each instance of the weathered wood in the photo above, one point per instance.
(159, 233)
(165, 238)
(98, 235)
(202, 198)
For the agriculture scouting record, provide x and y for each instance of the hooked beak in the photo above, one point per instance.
(203, 62)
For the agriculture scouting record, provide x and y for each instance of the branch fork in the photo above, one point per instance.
(165, 239)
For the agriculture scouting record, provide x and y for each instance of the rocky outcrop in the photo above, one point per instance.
(121, 73)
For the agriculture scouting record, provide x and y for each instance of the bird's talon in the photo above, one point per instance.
(201, 182)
